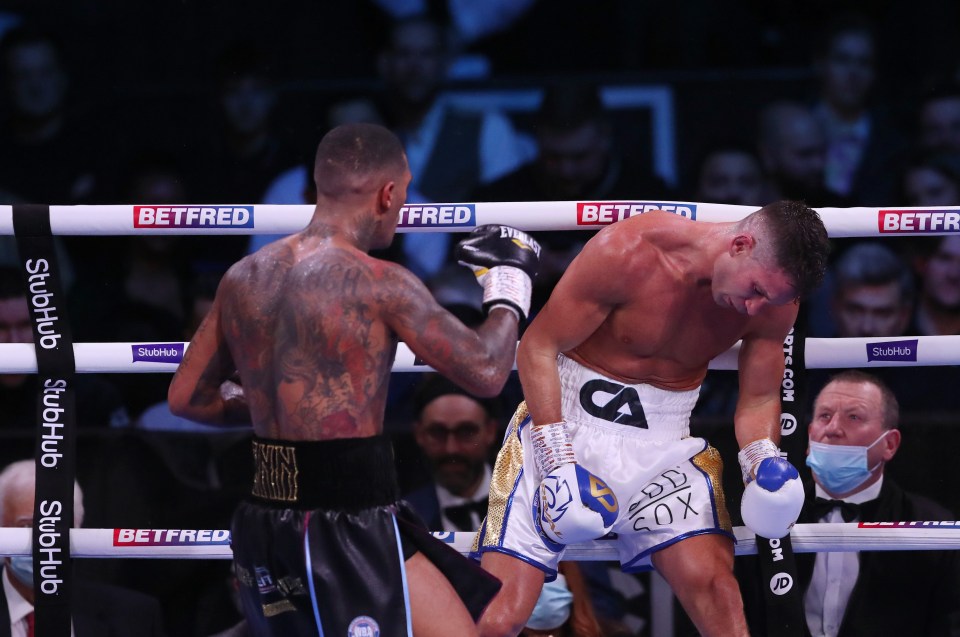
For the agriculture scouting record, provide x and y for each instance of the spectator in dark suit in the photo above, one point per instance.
(97, 609)
(873, 292)
(863, 145)
(793, 151)
(854, 432)
(873, 295)
(457, 433)
(450, 149)
(938, 305)
(579, 158)
(730, 173)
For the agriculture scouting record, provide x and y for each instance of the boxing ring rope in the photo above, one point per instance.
(462, 217)
(215, 543)
(821, 353)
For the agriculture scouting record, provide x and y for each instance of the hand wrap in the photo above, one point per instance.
(574, 505)
(505, 261)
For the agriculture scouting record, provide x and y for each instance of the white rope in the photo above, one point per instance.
(821, 353)
(461, 217)
(215, 543)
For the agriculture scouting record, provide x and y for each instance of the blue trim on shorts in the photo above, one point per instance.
(403, 576)
(550, 573)
(309, 569)
(630, 566)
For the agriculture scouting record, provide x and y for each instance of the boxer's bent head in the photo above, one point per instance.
(797, 242)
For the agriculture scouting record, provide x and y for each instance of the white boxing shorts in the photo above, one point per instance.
(633, 437)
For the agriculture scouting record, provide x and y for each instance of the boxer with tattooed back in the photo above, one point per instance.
(301, 340)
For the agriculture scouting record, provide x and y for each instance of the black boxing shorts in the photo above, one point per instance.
(320, 546)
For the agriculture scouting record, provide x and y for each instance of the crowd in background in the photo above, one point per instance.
(207, 102)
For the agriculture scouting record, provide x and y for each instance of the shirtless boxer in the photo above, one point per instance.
(611, 368)
(310, 324)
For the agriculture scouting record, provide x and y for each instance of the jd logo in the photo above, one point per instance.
(623, 408)
(781, 583)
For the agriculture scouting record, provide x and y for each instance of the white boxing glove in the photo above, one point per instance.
(773, 495)
(574, 505)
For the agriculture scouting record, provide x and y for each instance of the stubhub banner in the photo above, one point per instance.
(193, 216)
(157, 352)
(901, 351)
(429, 216)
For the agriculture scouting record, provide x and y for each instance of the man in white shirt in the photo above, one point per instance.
(853, 434)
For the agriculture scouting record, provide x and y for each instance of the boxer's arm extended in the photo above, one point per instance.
(478, 360)
(773, 496)
(202, 389)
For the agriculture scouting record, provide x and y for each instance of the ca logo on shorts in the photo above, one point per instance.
(363, 626)
(623, 408)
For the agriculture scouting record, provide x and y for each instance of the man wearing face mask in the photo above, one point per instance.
(853, 435)
(97, 609)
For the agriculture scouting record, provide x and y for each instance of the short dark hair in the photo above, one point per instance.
(891, 407)
(356, 149)
(873, 263)
(434, 386)
(800, 243)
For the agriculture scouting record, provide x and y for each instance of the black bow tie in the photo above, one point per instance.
(460, 516)
(848, 510)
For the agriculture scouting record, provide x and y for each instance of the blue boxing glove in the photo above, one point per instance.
(573, 505)
(505, 261)
(773, 495)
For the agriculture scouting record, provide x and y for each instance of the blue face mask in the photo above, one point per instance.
(840, 468)
(553, 607)
(21, 567)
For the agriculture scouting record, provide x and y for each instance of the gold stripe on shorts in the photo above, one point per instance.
(505, 472)
(710, 462)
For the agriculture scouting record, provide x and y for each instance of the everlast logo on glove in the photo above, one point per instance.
(624, 408)
(505, 261)
(520, 238)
